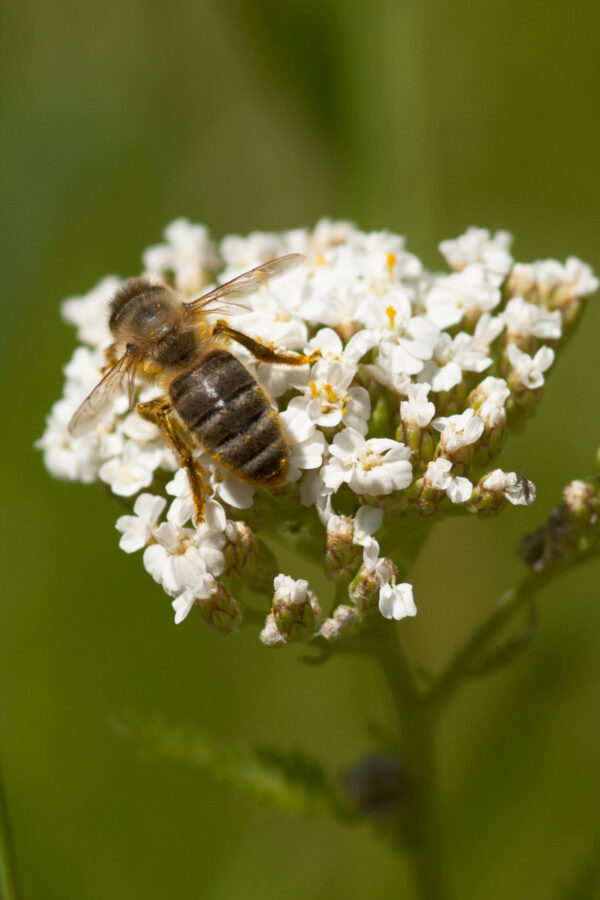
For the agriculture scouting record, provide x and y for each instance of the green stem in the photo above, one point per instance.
(8, 871)
(510, 604)
(420, 829)
(419, 833)
(418, 714)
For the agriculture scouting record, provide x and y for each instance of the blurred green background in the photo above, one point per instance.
(423, 118)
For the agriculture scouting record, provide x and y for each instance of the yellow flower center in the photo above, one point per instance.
(370, 460)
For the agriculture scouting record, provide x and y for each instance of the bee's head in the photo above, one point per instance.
(140, 309)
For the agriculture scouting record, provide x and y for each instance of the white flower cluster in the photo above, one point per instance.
(419, 377)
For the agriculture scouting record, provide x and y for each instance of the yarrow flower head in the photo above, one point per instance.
(353, 394)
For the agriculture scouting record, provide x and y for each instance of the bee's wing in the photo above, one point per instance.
(224, 298)
(96, 404)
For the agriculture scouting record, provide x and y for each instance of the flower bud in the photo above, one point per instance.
(270, 635)
(521, 405)
(345, 620)
(521, 282)
(426, 498)
(240, 547)
(570, 311)
(581, 502)
(341, 553)
(296, 611)
(452, 402)
(422, 442)
(553, 541)
(248, 558)
(364, 589)
(365, 586)
(488, 400)
(221, 611)
(414, 429)
(437, 483)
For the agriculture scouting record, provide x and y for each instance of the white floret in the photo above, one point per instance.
(188, 253)
(404, 341)
(452, 357)
(184, 559)
(495, 392)
(329, 400)
(523, 319)
(571, 279)
(458, 431)
(89, 312)
(132, 470)
(65, 457)
(289, 591)
(377, 466)
(396, 601)
(417, 411)
(438, 475)
(578, 278)
(529, 370)
(469, 293)
(136, 530)
(243, 253)
(367, 521)
(479, 245)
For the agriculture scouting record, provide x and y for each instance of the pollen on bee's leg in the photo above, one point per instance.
(305, 360)
(197, 488)
(199, 507)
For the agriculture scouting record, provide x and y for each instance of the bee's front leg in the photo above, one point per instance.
(159, 411)
(112, 356)
(263, 352)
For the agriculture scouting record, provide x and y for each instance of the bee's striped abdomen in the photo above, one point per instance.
(230, 416)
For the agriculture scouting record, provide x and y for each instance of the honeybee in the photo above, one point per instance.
(209, 398)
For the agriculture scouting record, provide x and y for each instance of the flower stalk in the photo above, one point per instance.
(419, 834)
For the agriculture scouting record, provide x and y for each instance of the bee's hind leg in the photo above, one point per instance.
(159, 412)
(263, 352)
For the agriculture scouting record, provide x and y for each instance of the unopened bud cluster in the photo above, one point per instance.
(571, 529)
(295, 615)
(418, 379)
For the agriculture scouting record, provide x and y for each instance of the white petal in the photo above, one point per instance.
(366, 522)
(396, 601)
(182, 606)
(459, 490)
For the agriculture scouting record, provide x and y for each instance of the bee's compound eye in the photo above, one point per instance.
(138, 309)
(147, 315)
